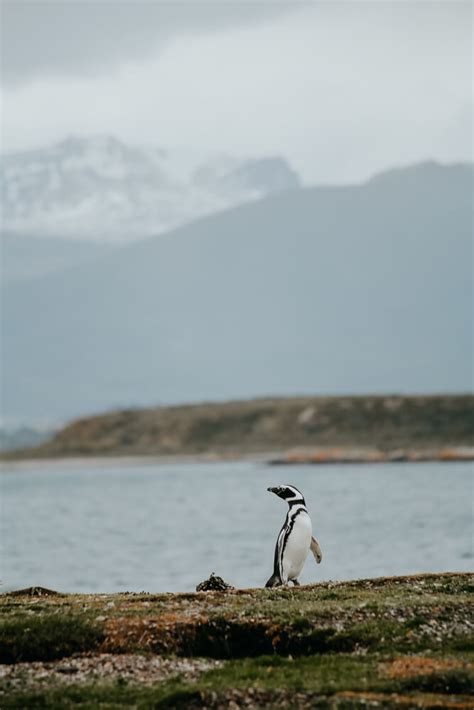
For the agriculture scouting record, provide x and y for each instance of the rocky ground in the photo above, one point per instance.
(91, 667)
(393, 642)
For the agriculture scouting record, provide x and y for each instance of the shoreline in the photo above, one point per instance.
(292, 457)
(125, 460)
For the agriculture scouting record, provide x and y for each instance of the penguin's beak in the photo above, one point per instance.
(273, 490)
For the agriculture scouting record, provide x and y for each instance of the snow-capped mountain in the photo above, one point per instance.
(102, 189)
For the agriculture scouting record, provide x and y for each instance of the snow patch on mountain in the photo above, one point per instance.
(101, 189)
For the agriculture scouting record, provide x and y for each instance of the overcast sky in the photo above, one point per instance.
(342, 89)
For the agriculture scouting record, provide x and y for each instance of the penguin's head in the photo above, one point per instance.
(288, 493)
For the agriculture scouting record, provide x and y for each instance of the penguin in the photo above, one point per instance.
(295, 539)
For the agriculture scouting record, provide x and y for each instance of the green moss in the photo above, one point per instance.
(464, 642)
(456, 681)
(46, 637)
(107, 696)
(322, 674)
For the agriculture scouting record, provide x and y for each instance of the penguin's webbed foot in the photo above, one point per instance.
(274, 581)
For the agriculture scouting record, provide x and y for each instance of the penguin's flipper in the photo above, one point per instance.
(316, 550)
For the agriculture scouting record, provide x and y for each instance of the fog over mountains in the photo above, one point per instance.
(102, 189)
(355, 289)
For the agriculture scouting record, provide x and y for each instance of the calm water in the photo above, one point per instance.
(78, 527)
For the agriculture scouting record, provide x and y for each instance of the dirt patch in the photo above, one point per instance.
(163, 634)
(409, 666)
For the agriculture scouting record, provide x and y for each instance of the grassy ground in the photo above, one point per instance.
(403, 641)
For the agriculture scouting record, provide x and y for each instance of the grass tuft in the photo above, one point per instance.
(452, 682)
(47, 637)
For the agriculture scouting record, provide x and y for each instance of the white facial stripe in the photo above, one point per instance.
(296, 493)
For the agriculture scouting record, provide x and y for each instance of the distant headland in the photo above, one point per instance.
(348, 429)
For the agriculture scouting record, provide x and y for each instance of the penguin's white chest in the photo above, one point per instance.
(297, 546)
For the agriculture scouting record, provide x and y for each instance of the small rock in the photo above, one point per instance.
(66, 669)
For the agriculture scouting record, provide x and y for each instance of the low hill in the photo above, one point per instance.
(334, 290)
(238, 428)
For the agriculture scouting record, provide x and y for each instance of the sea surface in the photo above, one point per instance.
(147, 526)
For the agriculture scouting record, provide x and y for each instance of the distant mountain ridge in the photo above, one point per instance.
(330, 290)
(102, 189)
